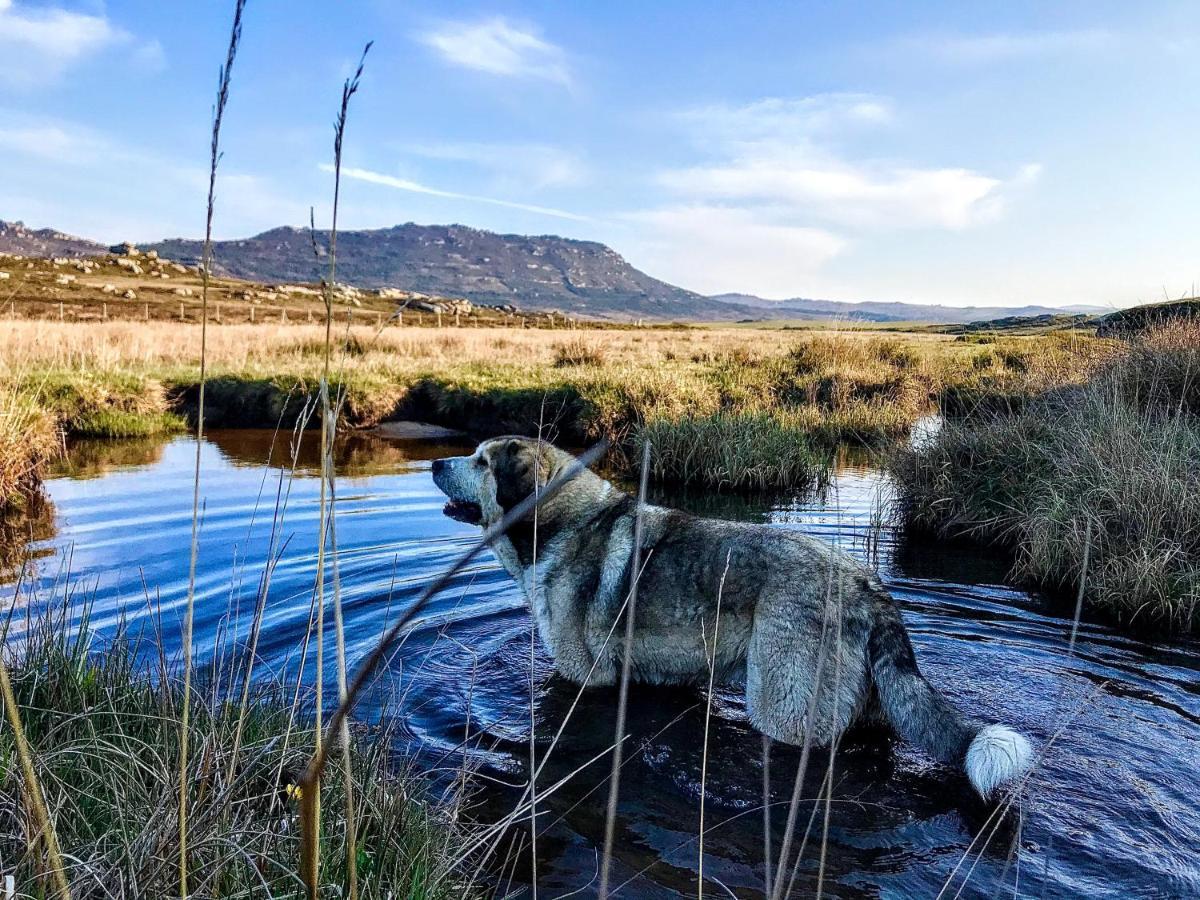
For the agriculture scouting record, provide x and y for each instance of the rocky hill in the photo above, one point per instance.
(543, 272)
(17, 240)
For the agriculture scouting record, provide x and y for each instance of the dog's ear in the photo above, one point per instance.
(515, 466)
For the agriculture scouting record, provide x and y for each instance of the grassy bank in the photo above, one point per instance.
(1096, 484)
(104, 736)
(684, 386)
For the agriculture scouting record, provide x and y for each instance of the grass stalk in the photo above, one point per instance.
(33, 788)
(223, 81)
(712, 669)
(614, 785)
(310, 850)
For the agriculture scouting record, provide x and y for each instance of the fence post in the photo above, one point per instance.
(283, 315)
(147, 312)
(181, 316)
(104, 311)
(251, 315)
(61, 314)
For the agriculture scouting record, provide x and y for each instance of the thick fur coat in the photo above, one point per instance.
(812, 634)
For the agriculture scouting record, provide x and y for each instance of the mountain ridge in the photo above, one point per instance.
(895, 311)
(537, 272)
(532, 271)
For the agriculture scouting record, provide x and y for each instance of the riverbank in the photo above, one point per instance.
(1095, 489)
(104, 729)
(692, 388)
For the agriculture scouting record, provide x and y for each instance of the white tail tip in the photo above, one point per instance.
(997, 756)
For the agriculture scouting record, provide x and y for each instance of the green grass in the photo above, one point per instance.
(740, 451)
(104, 731)
(1105, 472)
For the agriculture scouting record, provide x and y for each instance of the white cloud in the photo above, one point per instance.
(777, 154)
(404, 184)
(513, 166)
(857, 195)
(498, 47)
(716, 249)
(994, 48)
(52, 140)
(785, 119)
(40, 44)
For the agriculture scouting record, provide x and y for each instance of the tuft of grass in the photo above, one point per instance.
(732, 451)
(578, 352)
(104, 729)
(29, 441)
(1110, 465)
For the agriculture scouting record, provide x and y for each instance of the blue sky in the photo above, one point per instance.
(931, 152)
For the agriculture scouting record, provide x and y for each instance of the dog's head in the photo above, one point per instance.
(500, 474)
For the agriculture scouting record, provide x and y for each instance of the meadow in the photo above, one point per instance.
(718, 403)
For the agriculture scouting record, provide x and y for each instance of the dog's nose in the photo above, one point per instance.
(438, 466)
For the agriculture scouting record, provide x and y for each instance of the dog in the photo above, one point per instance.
(813, 636)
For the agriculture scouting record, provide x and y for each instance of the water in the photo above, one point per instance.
(1113, 812)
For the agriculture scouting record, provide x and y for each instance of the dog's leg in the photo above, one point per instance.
(792, 655)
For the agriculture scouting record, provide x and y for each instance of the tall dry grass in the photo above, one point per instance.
(102, 722)
(1108, 467)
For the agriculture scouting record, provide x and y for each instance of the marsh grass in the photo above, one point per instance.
(835, 387)
(29, 440)
(754, 451)
(103, 721)
(1111, 463)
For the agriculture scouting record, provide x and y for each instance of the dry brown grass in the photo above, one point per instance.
(584, 384)
(1095, 489)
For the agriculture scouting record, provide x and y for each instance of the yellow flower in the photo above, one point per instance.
(293, 791)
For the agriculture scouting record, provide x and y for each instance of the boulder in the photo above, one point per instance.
(124, 249)
(130, 295)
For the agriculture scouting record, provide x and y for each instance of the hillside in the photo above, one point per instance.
(17, 240)
(544, 272)
(880, 311)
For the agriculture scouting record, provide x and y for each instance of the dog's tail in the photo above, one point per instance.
(994, 756)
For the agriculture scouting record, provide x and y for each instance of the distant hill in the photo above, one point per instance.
(18, 240)
(1138, 318)
(881, 311)
(544, 272)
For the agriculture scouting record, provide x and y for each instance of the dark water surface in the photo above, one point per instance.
(1114, 810)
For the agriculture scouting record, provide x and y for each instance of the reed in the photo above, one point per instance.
(223, 82)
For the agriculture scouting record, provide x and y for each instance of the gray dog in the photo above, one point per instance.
(803, 625)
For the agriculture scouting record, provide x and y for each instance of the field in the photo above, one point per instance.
(691, 389)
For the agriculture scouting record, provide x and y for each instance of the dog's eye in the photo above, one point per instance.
(481, 462)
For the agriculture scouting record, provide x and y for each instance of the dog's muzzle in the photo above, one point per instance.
(458, 508)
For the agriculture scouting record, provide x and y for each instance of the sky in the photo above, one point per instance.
(930, 152)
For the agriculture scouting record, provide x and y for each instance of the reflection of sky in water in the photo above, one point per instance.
(1113, 814)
